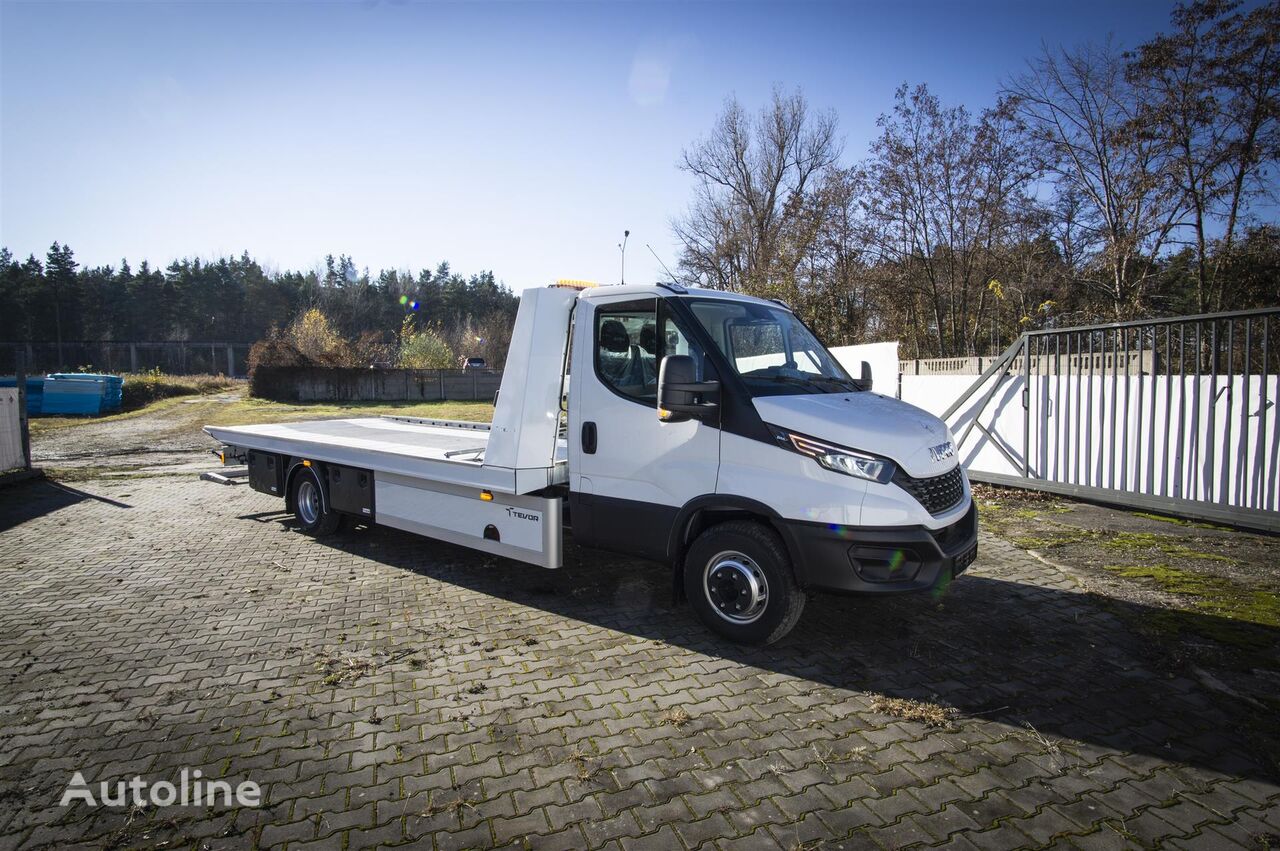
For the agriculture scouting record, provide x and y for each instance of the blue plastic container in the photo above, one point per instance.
(74, 393)
(112, 386)
(35, 392)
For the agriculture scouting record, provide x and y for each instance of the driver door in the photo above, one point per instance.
(631, 473)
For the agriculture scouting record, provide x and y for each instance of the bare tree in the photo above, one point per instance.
(752, 214)
(1080, 111)
(1249, 76)
(944, 198)
(1210, 92)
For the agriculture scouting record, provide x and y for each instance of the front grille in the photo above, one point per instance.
(936, 494)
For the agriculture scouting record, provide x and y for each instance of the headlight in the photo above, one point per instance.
(838, 459)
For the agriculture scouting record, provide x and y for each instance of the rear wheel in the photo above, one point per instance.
(309, 505)
(738, 579)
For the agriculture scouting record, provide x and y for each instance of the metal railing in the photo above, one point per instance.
(1175, 415)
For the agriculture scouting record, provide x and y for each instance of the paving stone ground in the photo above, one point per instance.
(391, 691)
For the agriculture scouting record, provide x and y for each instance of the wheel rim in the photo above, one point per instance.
(735, 587)
(308, 502)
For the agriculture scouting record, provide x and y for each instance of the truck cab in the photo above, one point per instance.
(706, 430)
(697, 410)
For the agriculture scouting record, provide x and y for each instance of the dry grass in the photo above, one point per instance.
(676, 717)
(923, 712)
(827, 755)
(342, 669)
(585, 765)
(143, 388)
(1050, 747)
(248, 411)
(453, 807)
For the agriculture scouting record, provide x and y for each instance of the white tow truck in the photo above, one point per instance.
(704, 429)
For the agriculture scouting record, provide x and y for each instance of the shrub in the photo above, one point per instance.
(275, 350)
(310, 340)
(423, 349)
(317, 341)
(374, 349)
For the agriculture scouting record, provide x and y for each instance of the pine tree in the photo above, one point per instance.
(60, 275)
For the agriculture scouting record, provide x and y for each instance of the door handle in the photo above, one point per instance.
(589, 438)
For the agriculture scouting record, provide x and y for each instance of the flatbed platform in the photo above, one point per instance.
(449, 451)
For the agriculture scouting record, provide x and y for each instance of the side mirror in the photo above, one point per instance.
(679, 390)
(864, 383)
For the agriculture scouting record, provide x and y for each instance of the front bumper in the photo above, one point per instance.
(850, 559)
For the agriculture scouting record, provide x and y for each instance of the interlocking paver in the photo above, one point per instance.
(389, 691)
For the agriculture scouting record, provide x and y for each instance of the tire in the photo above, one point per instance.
(738, 579)
(306, 495)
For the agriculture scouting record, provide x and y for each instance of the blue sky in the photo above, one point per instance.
(518, 137)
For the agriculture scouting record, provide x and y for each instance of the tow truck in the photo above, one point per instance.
(704, 429)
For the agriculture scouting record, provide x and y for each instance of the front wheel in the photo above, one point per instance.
(308, 502)
(737, 577)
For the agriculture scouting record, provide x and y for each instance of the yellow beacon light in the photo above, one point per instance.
(572, 284)
(487, 496)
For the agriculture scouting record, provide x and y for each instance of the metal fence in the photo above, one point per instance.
(1174, 415)
(170, 357)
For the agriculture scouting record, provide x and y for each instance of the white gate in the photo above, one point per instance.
(1172, 415)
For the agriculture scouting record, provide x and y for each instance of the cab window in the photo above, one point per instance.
(632, 338)
(627, 349)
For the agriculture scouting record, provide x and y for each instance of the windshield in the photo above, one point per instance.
(771, 349)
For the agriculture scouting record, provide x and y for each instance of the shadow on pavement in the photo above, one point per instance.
(38, 497)
(1066, 663)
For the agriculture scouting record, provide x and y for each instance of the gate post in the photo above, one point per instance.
(24, 432)
(1026, 405)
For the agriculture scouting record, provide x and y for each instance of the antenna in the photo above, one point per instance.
(660, 263)
(622, 246)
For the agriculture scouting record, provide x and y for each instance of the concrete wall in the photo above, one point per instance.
(881, 357)
(10, 431)
(315, 384)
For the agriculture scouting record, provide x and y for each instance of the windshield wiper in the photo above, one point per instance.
(798, 379)
(845, 383)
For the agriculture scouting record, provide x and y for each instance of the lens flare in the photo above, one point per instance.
(413, 305)
(404, 299)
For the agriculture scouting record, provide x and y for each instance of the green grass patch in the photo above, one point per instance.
(1213, 595)
(42, 425)
(246, 411)
(145, 393)
(1180, 521)
(1149, 541)
(141, 389)
(252, 411)
(1050, 538)
(1132, 543)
